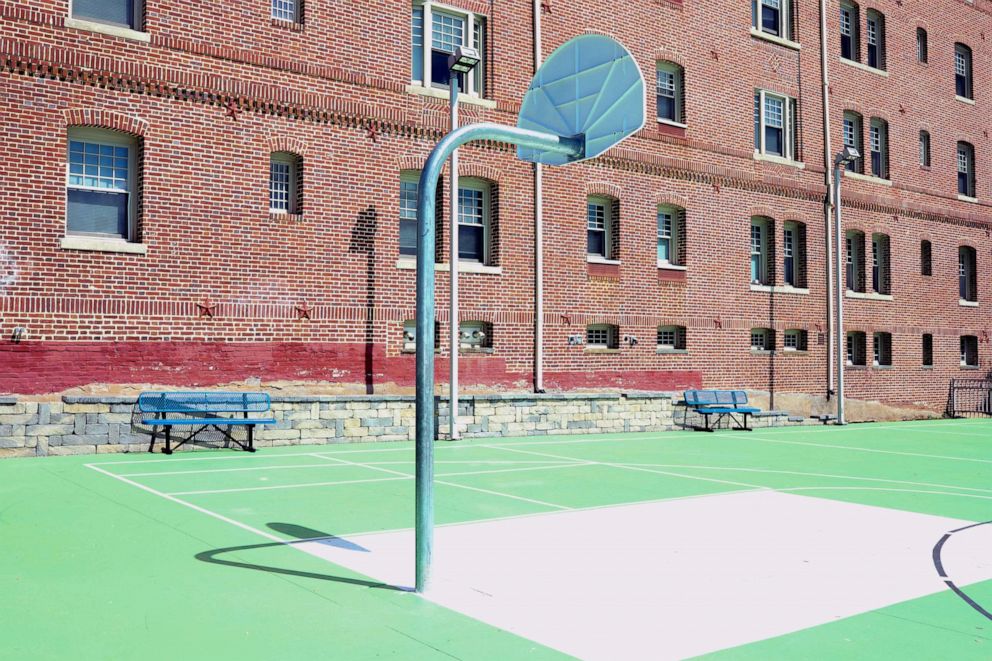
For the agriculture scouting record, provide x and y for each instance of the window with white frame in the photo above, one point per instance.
(599, 212)
(882, 348)
(962, 71)
(287, 10)
(853, 136)
(121, 13)
(966, 169)
(856, 348)
(854, 256)
(881, 276)
(794, 254)
(774, 125)
(875, 27)
(670, 234)
(669, 92)
(969, 351)
(850, 31)
(922, 47)
(473, 219)
(927, 350)
(285, 183)
(762, 339)
(602, 336)
(409, 183)
(795, 339)
(475, 335)
(101, 183)
(925, 149)
(760, 228)
(437, 30)
(967, 274)
(878, 139)
(772, 17)
(671, 338)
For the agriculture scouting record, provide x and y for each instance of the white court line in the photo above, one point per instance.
(566, 439)
(846, 488)
(643, 470)
(322, 465)
(453, 484)
(839, 477)
(857, 449)
(207, 492)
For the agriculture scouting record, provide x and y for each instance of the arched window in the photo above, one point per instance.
(670, 92)
(966, 169)
(962, 71)
(853, 136)
(850, 31)
(926, 258)
(967, 274)
(762, 339)
(878, 140)
(922, 46)
(671, 339)
(875, 28)
(602, 228)
(925, 149)
(102, 183)
(671, 235)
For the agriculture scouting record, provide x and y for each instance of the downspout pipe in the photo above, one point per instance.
(829, 200)
(538, 234)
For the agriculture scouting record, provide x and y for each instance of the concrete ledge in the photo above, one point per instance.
(7, 401)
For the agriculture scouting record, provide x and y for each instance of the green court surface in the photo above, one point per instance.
(198, 555)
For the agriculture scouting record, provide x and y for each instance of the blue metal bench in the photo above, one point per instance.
(203, 410)
(721, 404)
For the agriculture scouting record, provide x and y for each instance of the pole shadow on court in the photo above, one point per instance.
(301, 534)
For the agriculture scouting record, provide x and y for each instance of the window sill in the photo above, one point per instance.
(964, 99)
(104, 28)
(667, 266)
(673, 352)
(596, 259)
(967, 304)
(966, 198)
(794, 352)
(410, 264)
(779, 160)
(870, 178)
(601, 350)
(881, 367)
(292, 26)
(420, 90)
(285, 215)
(484, 351)
(781, 41)
(864, 67)
(669, 122)
(101, 244)
(762, 352)
(780, 289)
(868, 296)
(851, 366)
(926, 367)
(969, 367)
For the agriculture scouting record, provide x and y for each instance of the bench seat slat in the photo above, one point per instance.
(207, 421)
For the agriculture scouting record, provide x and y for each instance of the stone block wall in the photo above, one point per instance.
(109, 424)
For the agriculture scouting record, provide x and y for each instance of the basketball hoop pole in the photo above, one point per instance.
(426, 202)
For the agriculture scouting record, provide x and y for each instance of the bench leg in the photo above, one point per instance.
(251, 438)
(151, 446)
(168, 439)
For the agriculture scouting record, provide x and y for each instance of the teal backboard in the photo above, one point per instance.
(590, 88)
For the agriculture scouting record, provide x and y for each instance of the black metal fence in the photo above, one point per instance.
(970, 397)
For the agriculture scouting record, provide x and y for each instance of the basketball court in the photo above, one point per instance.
(819, 542)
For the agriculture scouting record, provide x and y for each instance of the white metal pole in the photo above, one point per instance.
(839, 288)
(538, 235)
(828, 162)
(453, 263)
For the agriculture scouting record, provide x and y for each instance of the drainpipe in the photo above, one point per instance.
(828, 203)
(538, 235)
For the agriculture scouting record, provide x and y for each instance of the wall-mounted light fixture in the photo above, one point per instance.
(20, 333)
(574, 340)
(630, 339)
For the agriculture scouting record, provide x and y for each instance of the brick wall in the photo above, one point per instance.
(227, 292)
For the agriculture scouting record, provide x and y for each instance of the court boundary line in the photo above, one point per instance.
(860, 449)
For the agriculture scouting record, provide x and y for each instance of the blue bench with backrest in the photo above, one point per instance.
(204, 410)
(714, 405)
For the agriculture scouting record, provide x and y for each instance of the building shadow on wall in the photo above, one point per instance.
(363, 243)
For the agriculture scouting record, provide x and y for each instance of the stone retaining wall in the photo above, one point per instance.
(95, 424)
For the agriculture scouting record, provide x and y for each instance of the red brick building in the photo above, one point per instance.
(204, 193)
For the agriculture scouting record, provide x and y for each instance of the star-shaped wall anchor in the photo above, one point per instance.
(206, 308)
(718, 324)
(372, 133)
(303, 311)
(232, 109)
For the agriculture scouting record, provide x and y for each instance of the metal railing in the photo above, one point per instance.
(970, 397)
